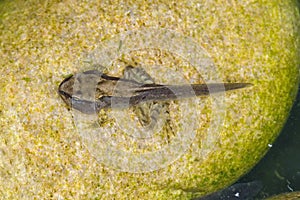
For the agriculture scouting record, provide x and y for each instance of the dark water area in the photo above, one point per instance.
(279, 170)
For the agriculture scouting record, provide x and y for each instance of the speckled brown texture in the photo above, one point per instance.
(41, 42)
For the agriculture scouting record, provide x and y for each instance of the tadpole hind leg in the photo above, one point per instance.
(147, 113)
(137, 74)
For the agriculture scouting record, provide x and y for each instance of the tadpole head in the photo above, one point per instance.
(65, 89)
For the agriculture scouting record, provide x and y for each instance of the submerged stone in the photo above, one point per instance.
(200, 146)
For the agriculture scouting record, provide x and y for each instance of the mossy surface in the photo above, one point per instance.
(286, 196)
(41, 42)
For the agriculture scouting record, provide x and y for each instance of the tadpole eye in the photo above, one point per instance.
(64, 94)
(106, 99)
(103, 102)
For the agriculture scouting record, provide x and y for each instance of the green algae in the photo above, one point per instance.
(42, 155)
(289, 196)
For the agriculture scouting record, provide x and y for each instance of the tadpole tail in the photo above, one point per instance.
(169, 92)
(206, 89)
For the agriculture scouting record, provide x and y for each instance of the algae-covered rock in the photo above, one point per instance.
(286, 196)
(200, 146)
